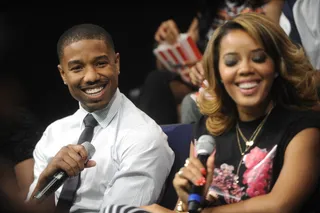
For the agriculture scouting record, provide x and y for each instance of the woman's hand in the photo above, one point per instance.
(167, 32)
(194, 173)
(197, 74)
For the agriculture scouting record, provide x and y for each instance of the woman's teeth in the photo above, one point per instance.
(248, 85)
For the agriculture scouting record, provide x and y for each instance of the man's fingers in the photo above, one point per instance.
(71, 159)
(73, 166)
(80, 150)
(90, 163)
(78, 159)
(65, 166)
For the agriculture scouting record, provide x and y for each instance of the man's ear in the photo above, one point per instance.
(117, 62)
(62, 74)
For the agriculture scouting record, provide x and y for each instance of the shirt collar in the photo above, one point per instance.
(105, 115)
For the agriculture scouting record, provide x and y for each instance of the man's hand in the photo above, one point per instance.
(71, 159)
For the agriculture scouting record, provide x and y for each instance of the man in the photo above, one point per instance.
(300, 20)
(132, 158)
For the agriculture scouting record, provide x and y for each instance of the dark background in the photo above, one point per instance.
(28, 47)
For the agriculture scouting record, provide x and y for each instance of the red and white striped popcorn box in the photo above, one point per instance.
(159, 52)
(177, 57)
(189, 48)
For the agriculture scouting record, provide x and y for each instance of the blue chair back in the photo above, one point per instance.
(179, 138)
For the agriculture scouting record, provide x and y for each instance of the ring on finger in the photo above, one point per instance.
(180, 172)
(187, 162)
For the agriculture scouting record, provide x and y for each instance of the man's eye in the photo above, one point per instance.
(101, 64)
(77, 68)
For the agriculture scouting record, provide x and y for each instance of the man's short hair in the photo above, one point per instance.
(83, 32)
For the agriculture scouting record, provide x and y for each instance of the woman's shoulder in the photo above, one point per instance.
(307, 118)
(289, 122)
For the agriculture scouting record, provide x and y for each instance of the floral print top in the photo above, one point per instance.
(239, 177)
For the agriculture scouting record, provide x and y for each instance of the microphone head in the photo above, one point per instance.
(89, 148)
(205, 145)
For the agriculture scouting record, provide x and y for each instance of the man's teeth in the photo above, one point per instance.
(94, 90)
(248, 85)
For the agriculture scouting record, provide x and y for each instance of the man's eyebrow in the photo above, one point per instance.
(73, 62)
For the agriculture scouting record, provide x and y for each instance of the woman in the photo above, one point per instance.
(267, 137)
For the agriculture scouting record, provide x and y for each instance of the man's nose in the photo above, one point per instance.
(91, 75)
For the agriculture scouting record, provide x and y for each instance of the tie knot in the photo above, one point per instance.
(90, 121)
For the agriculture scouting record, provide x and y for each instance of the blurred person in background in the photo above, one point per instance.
(163, 90)
(20, 131)
(301, 21)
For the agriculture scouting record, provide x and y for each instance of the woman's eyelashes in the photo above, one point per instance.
(259, 58)
(256, 58)
(230, 60)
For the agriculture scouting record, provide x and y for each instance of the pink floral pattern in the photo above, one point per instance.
(225, 184)
(256, 178)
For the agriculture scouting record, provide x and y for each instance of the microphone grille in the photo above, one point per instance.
(89, 148)
(205, 144)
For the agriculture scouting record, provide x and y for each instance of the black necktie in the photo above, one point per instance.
(67, 195)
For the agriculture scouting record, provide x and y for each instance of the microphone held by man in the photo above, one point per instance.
(67, 163)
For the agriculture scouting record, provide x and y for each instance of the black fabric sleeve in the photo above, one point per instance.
(27, 134)
(301, 121)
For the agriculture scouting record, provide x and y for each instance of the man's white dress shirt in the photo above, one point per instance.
(133, 158)
(306, 15)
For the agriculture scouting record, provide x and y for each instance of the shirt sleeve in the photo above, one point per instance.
(304, 120)
(145, 163)
(123, 209)
(40, 162)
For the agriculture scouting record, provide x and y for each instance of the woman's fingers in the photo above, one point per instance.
(182, 186)
(196, 74)
(168, 31)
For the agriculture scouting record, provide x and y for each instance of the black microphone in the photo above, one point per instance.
(60, 177)
(204, 147)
